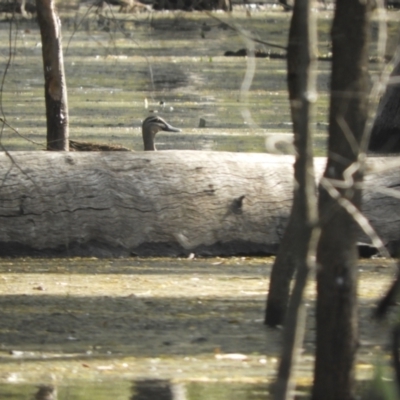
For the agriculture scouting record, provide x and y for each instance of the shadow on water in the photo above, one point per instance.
(94, 328)
(143, 389)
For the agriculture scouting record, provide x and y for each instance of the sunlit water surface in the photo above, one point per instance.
(120, 70)
(189, 328)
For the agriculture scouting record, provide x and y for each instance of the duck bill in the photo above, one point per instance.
(170, 128)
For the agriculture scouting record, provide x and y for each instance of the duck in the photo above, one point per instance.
(150, 127)
(89, 146)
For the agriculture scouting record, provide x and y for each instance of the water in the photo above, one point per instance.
(146, 63)
(97, 327)
(173, 62)
(140, 390)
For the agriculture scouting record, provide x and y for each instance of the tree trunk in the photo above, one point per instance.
(55, 84)
(337, 328)
(301, 80)
(385, 134)
(299, 242)
(161, 203)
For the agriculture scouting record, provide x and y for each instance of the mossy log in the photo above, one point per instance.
(160, 203)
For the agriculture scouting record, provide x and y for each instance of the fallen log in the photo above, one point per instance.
(171, 203)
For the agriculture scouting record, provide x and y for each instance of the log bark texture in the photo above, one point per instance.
(161, 203)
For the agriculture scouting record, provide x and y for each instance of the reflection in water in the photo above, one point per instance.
(157, 389)
(46, 392)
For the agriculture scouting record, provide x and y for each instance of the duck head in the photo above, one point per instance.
(151, 125)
